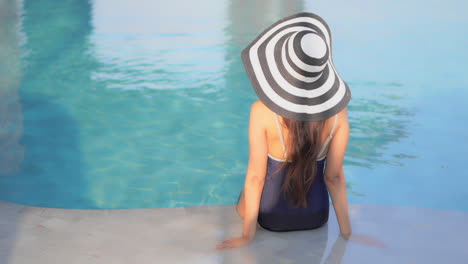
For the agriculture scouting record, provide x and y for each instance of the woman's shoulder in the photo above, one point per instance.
(260, 109)
(342, 117)
(343, 113)
(258, 113)
(259, 105)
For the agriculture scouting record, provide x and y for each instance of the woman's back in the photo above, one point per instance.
(276, 212)
(278, 136)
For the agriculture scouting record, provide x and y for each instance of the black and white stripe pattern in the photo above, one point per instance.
(291, 69)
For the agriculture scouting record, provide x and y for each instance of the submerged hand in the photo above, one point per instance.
(233, 243)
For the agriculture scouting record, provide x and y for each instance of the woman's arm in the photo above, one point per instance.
(255, 177)
(337, 190)
(334, 174)
(256, 172)
(252, 196)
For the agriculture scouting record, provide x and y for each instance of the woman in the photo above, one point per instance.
(298, 131)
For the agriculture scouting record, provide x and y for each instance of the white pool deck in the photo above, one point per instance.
(406, 235)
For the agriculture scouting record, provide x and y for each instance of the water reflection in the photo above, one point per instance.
(54, 66)
(377, 120)
(11, 116)
(158, 45)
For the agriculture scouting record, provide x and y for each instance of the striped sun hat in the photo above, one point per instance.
(291, 69)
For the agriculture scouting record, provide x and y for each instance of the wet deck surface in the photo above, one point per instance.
(404, 235)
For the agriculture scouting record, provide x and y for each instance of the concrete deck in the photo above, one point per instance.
(404, 235)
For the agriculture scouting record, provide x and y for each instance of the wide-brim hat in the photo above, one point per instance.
(291, 69)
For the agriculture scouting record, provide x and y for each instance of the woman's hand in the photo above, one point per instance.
(234, 243)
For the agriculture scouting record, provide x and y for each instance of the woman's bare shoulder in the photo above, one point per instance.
(261, 108)
(260, 105)
(343, 117)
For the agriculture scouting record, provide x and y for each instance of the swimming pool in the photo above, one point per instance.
(108, 104)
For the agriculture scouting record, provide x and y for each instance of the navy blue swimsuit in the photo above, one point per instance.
(275, 212)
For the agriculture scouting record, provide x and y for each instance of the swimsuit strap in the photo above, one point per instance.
(281, 134)
(329, 137)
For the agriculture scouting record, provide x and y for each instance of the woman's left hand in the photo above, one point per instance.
(233, 243)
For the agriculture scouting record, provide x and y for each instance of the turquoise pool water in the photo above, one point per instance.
(112, 104)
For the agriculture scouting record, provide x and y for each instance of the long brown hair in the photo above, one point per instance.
(305, 146)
